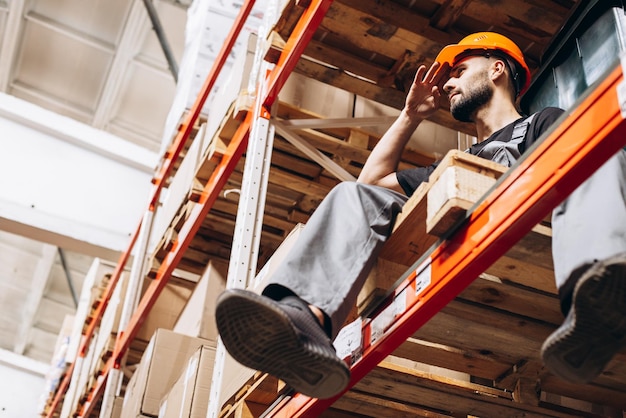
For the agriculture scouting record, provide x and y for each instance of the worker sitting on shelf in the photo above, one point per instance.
(288, 330)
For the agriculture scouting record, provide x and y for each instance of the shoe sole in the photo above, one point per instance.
(260, 335)
(579, 350)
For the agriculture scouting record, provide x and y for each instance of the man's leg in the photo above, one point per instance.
(335, 252)
(326, 268)
(589, 252)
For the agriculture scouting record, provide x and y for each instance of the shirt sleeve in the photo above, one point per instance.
(411, 178)
(544, 120)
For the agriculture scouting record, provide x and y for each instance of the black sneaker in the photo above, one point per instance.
(283, 339)
(595, 327)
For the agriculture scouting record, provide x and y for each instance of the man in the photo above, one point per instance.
(288, 330)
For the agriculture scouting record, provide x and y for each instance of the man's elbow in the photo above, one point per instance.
(390, 181)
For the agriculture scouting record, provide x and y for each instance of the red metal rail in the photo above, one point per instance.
(582, 142)
(296, 44)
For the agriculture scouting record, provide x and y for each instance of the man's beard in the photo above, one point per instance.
(465, 108)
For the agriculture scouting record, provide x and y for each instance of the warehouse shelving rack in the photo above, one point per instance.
(583, 140)
(274, 81)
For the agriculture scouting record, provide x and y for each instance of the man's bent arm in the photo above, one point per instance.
(421, 102)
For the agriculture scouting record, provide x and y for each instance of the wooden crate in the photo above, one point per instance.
(460, 180)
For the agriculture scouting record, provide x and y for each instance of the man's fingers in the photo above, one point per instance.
(442, 74)
(432, 73)
(419, 75)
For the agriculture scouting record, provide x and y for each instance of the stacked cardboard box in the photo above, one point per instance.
(198, 317)
(94, 284)
(165, 357)
(189, 396)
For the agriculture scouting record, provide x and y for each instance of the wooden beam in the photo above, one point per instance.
(395, 14)
(448, 13)
(313, 153)
(387, 96)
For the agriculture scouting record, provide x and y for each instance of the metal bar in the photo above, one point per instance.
(248, 229)
(133, 291)
(565, 158)
(197, 215)
(295, 46)
(160, 33)
(313, 153)
(68, 276)
(92, 399)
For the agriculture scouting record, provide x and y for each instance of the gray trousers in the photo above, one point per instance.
(337, 249)
(590, 225)
(341, 241)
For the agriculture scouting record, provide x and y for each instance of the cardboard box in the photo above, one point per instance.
(189, 397)
(262, 278)
(165, 311)
(198, 317)
(161, 364)
(93, 286)
(118, 402)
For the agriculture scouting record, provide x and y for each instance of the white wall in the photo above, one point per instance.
(68, 184)
(21, 385)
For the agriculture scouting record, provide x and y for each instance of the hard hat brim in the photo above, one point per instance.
(448, 55)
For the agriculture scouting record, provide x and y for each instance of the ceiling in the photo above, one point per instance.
(98, 62)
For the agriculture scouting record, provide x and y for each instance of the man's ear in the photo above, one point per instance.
(498, 69)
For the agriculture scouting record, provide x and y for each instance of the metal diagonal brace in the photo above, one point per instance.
(313, 153)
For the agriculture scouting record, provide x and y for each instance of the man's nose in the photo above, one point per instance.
(448, 87)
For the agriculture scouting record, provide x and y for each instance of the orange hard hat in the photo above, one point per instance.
(488, 41)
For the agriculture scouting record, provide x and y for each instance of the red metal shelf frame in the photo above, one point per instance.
(301, 35)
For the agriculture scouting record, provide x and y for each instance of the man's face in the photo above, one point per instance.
(468, 87)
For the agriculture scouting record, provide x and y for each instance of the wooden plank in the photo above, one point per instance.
(527, 274)
(409, 239)
(599, 395)
(222, 205)
(397, 15)
(387, 96)
(513, 18)
(448, 14)
(504, 337)
(452, 195)
(519, 300)
(254, 397)
(360, 404)
(453, 396)
(365, 31)
(460, 359)
(298, 184)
